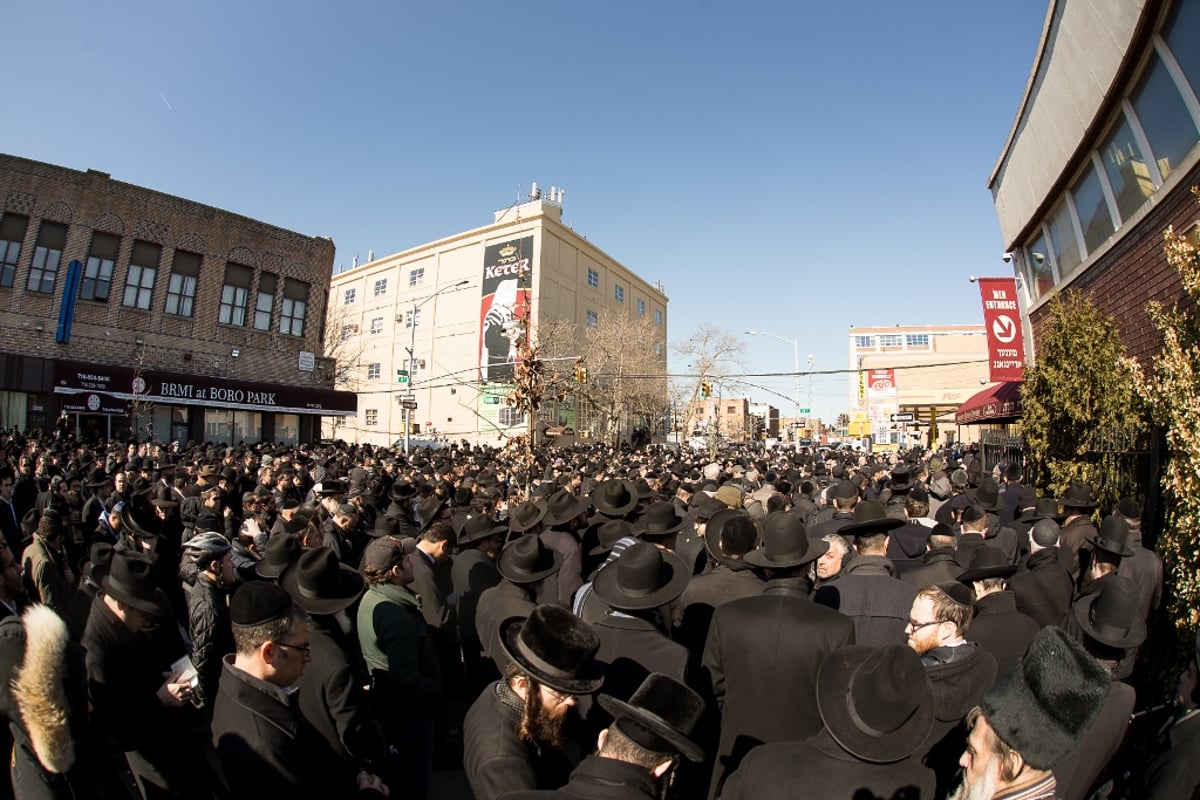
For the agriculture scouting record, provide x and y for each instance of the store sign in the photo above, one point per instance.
(1002, 321)
(507, 277)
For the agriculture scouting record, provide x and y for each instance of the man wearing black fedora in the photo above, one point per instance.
(636, 756)
(473, 573)
(988, 497)
(876, 708)
(331, 689)
(637, 587)
(612, 537)
(133, 709)
(565, 520)
(524, 565)
(1144, 566)
(997, 626)
(1078, 504)
(514, 732)
(763, 652)
(48, 576)
(1101, 559)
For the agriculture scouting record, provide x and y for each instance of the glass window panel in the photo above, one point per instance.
(12, 234)
(1041, 273)
(1126, 169)
(1093, 211)
(265, 302)
(1062, 238)
(52, 236)
(1164, 117)
(1181, 33)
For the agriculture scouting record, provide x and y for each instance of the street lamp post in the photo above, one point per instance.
(795, 364)
(412, 346)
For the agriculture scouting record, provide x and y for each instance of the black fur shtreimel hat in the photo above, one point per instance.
(1046, 702)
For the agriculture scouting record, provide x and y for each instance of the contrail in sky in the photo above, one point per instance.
(164, 99)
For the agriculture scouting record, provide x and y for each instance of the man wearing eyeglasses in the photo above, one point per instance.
(265, 746)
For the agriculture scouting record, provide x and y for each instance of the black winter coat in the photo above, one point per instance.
(599, 778)
(939, 566)
(1001, 630)
(762, 655)
(505, 599)
(211, 632)
(868, 594)
(1043, 588)
(1076, 773)
(495, 760)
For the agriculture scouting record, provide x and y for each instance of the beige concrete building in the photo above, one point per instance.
(457, 303)
(924, 370)
(137, 313)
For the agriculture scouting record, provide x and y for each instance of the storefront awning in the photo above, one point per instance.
(999, 403)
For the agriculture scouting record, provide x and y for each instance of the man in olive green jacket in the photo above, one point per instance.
(406, 678)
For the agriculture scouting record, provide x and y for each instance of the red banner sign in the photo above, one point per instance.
(1002, 320)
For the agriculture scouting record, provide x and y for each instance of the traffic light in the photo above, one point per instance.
(581, 374)
(706, 389)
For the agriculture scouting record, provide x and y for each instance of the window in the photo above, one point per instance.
(658, 348)
(658, 316)
(916, 339)
(1041, 271)
(12, 235)
(376, 325)
(52, 236)
(412, 318)
(293, 308)
(593, 278)
(864, 341)
(1092, 208)
(264, 304)
(730, 409)
(348, 331)
(373, 370)
(349, 297)
(234, 295)
(372, 416)
(380, 287)
(619, 293)
(1165, 119)
(181, 290)
(98, 270)
(139, 280)
(890, 340)
(1180, 33)
(592, 319)
(416, 277)
(1126, 169)
(1063, 241)
(641, 306)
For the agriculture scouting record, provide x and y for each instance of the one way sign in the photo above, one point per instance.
(906, 417)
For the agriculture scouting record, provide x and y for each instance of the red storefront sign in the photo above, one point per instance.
(1002, 320)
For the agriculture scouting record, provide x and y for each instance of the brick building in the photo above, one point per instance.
(1101, 159)
(137, 313)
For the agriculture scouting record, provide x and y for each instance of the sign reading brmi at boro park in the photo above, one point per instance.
(507, 278)
(112, 383)
(1002, 321)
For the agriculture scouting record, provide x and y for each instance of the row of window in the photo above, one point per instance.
(593, 280)
(1154, 130)
(141, 274)
(910, 340)
(416, 277)
(375, 368)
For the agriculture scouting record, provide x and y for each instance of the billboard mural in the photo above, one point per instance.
(883, 400)
(507, 277)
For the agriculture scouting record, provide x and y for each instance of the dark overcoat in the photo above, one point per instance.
(495, 760)
(505, 599)
(762, 655)
(877, 602)
(1146, 570)
(1076, 773)
(1176, 773)
(1043, 588)
(1000, 629)
(703, 595)
(599, 778)
(818, 767)
(940, 566)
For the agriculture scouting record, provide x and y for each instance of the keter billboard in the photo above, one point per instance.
(507, 272)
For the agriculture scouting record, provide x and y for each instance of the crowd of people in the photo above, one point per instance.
(333, 620)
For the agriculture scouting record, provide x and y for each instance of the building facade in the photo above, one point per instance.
(925, 371)
(1102, 156)
(459, 304)
(138, 314)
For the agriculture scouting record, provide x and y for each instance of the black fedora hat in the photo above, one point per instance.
(131, 580)
(869, 517)
(902, 479)
(428, 510)
(554, 647)
(642, 577)
(1113, 536)
(987, 494)
(140, 520)
(730, 532)
(320, 584)
(661, 716)
(1111, 615)
(1078, 495)
(876, 702)
(384, 526)
(611, 531)
(527, 559)
(785, 544)
(97, 478)
(282, 550)
(402, 490)
(660, 519)
(480, 526)
(1046, 508)
(163, 497)
(706, 506)
(615, 498)
(562, 507)
(987, 562)
(525, 516)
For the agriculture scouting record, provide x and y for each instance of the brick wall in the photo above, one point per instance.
(1135, 271)
(106, 332)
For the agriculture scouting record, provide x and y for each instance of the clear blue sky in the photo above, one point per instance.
(793, 167)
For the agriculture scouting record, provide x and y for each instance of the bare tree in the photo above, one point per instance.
(710, 352)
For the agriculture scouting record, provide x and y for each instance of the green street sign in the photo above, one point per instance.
(806, 411)
(401, 376)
